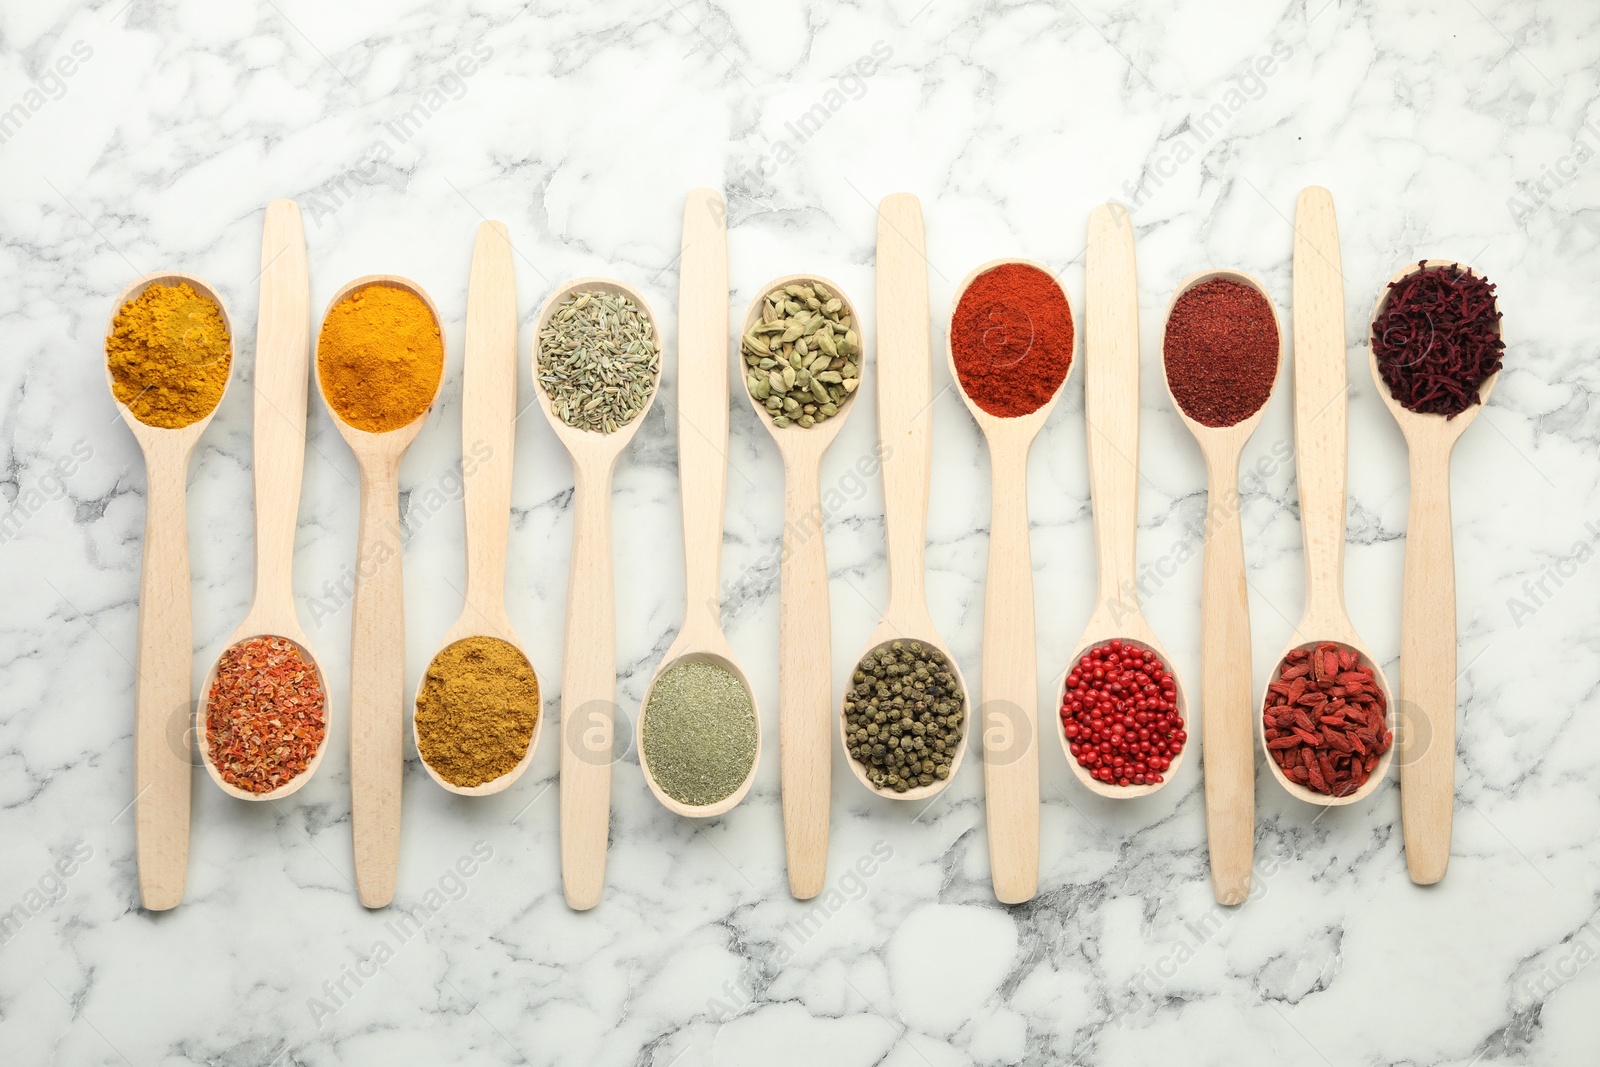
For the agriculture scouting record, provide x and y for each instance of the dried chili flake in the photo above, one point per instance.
(1437, 339)
(1335, 752)
(264, 715)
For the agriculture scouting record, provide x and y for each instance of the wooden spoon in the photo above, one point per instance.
(702, 467)
(282, 370)
(1321, 445)
(1111, 411)
(162, 771)
(1010, 656)
(805, 644)
(1229, 753)
(488, 413)
(589, 659)
(378, 711)
(905, 429)
(1428, 624)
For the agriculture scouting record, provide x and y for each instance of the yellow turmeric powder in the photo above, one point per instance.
(379, 358)
(169, 354)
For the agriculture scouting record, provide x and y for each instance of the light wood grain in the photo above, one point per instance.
(805, 631)
(163, 677)
(1428, 679)
(1321, 384)
(1226, 702)
(1010, 699)
(1111, 414)
(703, 358)
(488, 446)
(282, 375)
(378, 705)
(589, 654)
(904, 354)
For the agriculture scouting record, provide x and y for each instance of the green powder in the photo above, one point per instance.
(699, 733)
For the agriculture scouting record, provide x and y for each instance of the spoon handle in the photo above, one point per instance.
(1010, 684)
(703, 401)
(805, 679)
(1428, 668)
(588, 689)
(282, 382)
(1228, 719)
(488, 408)
(165, 680)
(377, 682)
(1320, 384)
(1111, 402)
(905, 398)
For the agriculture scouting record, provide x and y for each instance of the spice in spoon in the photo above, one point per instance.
(1325, 719)
(169, 354)
(802, 361)
(1437, 339)
(379, 358)
(698, 733)
(476, 710)
(1011, 339)
(904, 715)
(1120, 715)
(598, 360)
(264, 714)
(1221, 351)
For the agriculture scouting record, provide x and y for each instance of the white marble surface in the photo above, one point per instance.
(582, 130)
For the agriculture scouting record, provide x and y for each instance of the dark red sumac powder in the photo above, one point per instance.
(1011, 339)
(1437, 339)
(1221, 352)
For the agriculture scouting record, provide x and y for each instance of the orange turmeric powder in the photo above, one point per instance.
(169, 354)
(379, 358)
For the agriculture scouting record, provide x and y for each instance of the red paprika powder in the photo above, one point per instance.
(1221, 352)
(1011, 339)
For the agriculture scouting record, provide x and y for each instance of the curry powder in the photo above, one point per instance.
(476, 710)
(169, 353)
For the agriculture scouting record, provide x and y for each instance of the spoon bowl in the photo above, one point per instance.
(1219, 439)
(1375, 779)
(364, 443)
(1145, 643)
(1016, 428)
(591, 444)
(460, 631)
(802, 441)
(722, 658)
(1417, 422)
(296, 637)
(143, 432)
(884, 634)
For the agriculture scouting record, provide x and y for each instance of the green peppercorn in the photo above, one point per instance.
(903, 716)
